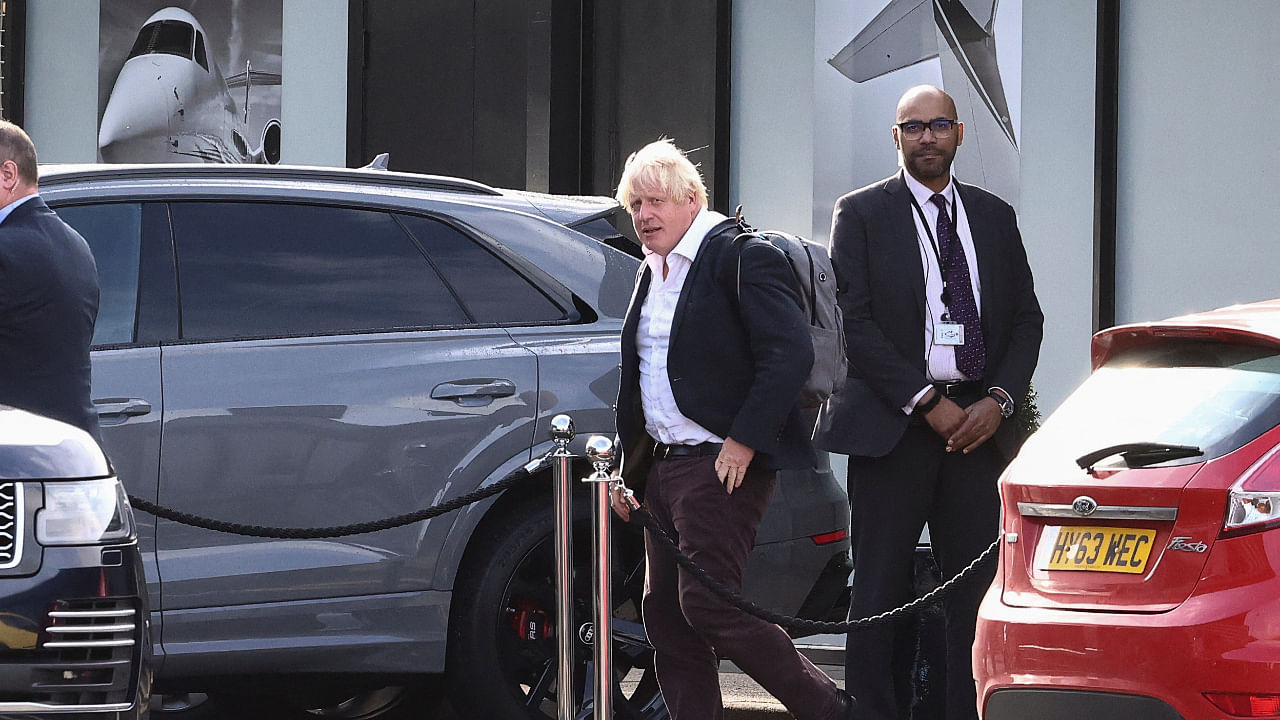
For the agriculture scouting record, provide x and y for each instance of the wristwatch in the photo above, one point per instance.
(1006, 405)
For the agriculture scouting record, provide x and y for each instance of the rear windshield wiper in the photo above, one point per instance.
(1140, 454)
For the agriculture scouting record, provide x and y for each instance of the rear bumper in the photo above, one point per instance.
(1074, 705)
(806, 503)
(1104, 665)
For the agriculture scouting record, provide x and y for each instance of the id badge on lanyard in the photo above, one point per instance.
(945, 332)
(948, 333)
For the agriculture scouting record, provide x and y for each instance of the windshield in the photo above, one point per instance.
(171, 37)
(1212, 395)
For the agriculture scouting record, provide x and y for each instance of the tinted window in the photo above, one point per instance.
(1214, 395)
(170, 37)
(262, 270)
(114, 233)
(491, 290)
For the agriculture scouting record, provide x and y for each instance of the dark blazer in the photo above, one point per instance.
(736, 363)
(48, 304)
(881, 295)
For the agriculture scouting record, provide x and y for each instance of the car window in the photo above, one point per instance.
(491, 290)
(1214, 395)
(269, 270)
(114, 233)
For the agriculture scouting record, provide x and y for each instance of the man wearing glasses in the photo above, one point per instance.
(943, 332)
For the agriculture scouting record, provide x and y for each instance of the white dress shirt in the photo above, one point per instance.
(940, 360)
(662, 419)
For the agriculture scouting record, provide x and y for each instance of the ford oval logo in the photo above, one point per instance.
(1084, 505)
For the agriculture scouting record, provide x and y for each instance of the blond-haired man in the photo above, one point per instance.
(710, 371)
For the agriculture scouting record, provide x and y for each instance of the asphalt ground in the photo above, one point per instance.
(743, 698)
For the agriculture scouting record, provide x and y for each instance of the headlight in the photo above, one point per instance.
(84, 512)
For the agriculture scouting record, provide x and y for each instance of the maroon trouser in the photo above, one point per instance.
(687, 624)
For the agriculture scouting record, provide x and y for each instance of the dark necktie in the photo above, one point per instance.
(971, 357)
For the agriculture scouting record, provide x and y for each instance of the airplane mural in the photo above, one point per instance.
(171, 102)
(961, 34)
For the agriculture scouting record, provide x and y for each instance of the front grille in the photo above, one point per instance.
(87, 653)
(90, 625)
(10, 524)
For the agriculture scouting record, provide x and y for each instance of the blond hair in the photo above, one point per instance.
(661, 166)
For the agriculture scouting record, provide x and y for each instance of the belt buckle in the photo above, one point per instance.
(664, 450)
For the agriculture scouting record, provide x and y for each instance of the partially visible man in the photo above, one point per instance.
(943, 332)
(710, 375)
(48, 296)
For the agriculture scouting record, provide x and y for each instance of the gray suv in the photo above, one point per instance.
(311, 347)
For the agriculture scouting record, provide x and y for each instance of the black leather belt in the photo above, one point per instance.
(961, 388)
(663, 451)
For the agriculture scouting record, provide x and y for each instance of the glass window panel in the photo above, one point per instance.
(114, 233)
(489, 288)
(263, 270)
(170, 37)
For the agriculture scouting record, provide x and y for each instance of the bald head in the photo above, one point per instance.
(925, 95)
(16, 146)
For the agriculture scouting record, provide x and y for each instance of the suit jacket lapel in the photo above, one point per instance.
(905, 244)
(698, 260)
(981, 231)
(632, 324)
(686, 290)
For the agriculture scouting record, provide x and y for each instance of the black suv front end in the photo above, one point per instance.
(74, 638)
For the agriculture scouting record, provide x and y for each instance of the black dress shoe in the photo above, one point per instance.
(846, 706)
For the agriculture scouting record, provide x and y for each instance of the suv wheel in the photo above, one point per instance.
(502, 631)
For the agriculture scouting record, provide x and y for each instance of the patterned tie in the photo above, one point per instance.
(971, 357)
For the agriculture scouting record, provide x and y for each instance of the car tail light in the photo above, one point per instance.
(1246, 705)
(828, 538)
(1253, 503)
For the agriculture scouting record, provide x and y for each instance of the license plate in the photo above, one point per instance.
(1101, 549)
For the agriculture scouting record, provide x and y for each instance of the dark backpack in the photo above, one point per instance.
(811, 264)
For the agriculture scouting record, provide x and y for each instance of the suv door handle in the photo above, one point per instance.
(112, 407)
(474, 389)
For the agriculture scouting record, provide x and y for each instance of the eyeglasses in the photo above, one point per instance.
(914, 129)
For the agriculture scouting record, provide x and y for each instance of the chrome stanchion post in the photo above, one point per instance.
(562, 433)
(600, 452)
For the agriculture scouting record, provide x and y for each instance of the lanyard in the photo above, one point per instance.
(933, 245)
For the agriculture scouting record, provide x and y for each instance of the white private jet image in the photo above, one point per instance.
(961, 34)
(171, 103)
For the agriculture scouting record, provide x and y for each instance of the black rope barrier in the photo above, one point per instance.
(516, 477)
(640, 514)
(723, 592)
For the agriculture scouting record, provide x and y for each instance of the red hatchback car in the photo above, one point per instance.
(1140, 563)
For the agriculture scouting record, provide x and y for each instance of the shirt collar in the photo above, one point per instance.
(4, 211)
(692, 239)
(923, 194)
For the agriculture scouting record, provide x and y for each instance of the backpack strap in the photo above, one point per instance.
(740, 243)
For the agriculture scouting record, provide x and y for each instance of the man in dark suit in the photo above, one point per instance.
(48, 296)
(943, 332)
(712, 364)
